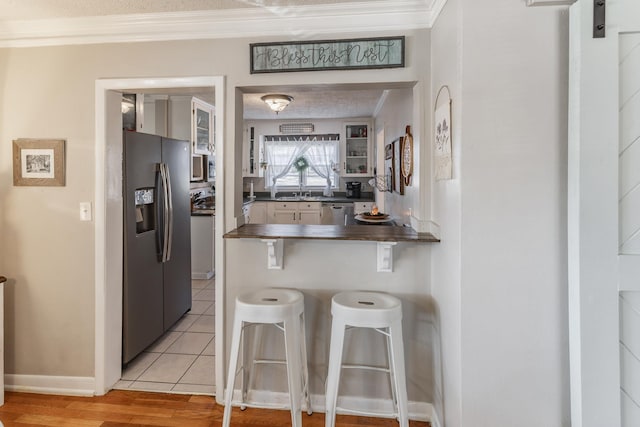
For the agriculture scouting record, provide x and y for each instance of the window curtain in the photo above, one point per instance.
(321, 154)
(280, 162)
(320, 161)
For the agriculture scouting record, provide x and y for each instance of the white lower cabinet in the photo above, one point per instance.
(294, 212)
(202, 246)
(255, 213)
(309, 212)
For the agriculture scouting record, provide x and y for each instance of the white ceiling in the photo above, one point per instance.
(325, 104)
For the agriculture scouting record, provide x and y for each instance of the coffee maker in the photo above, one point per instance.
(353, 189)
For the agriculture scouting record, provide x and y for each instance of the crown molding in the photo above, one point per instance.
(299, 22)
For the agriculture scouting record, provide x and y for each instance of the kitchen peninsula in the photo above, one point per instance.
(273, 235)
(372, 233)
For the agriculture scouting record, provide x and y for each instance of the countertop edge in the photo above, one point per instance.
(370, 233)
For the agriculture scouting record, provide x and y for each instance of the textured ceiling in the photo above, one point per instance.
(41, 9)
(316, 104)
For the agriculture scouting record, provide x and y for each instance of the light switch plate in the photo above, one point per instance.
(85, 211)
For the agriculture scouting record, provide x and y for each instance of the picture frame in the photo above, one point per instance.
(398, 181)
(442, 136)
(39, 162)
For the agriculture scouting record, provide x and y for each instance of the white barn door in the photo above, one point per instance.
(604, 215)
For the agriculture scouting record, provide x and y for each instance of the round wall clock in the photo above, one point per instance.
(407, 156)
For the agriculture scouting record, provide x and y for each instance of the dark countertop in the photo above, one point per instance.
(373, 233)
(322, 199)
(203, 212)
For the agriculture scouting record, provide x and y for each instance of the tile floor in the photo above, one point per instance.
(182, 360)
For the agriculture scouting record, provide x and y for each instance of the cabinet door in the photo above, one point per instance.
(250, 150)
(311, 217)
(202, 127)
(202, 246)
(356, 150)
(282, 213)
(284, 217)
(309, 213)
(256, 213)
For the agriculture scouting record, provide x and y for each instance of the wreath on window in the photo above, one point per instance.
(301, 164)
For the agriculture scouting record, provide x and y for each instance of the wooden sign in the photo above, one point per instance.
(320, 55)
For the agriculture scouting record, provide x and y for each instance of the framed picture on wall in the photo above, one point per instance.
(38, 162)
(398, 182)
(388, 166)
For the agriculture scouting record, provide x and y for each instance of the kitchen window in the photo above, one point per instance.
(301, 162)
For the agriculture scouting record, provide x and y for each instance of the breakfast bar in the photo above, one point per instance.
(386, 237)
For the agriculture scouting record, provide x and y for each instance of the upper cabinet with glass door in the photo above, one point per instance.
(356, 149)
(203, 127)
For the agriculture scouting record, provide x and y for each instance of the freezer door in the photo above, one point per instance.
(142, 273)
(176, 156)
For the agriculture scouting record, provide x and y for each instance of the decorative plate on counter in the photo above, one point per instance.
(369, 215)
(376, 219)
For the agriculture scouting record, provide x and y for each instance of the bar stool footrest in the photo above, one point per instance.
(367, 367)
(346, 411)
(261, 405)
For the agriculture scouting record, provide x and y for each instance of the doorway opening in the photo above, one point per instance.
(109, 218)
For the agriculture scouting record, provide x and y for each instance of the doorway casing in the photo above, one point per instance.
(108, 219)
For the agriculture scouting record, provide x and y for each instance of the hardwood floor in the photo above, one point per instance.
(121, 408)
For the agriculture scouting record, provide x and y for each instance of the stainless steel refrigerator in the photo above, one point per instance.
(157, 240)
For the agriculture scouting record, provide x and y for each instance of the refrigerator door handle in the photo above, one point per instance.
(165, 212)
(170, 210)
(159, 235)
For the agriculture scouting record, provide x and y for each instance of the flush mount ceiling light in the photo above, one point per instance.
(277, 102)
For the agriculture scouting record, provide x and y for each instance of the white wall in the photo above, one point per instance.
(322, 268)
(394, 116)
(446, 51)
(507, 205)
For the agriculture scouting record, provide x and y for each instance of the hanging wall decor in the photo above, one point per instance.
(442, 137)
(38, 162)
(317, 55)
(407, 156)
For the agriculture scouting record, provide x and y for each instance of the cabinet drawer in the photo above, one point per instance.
(308, 206)
(283, 205)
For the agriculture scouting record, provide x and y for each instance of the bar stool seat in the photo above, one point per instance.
(283, 308)
(383, 313)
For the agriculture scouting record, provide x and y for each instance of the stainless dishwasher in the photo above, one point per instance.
(336, 213)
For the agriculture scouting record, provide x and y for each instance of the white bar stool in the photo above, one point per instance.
(283, 308)
(383, 313)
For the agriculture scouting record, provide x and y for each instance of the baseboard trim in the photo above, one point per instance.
(202, 276)
(48, 384)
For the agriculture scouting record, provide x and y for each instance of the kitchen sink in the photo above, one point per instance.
(300, 198)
